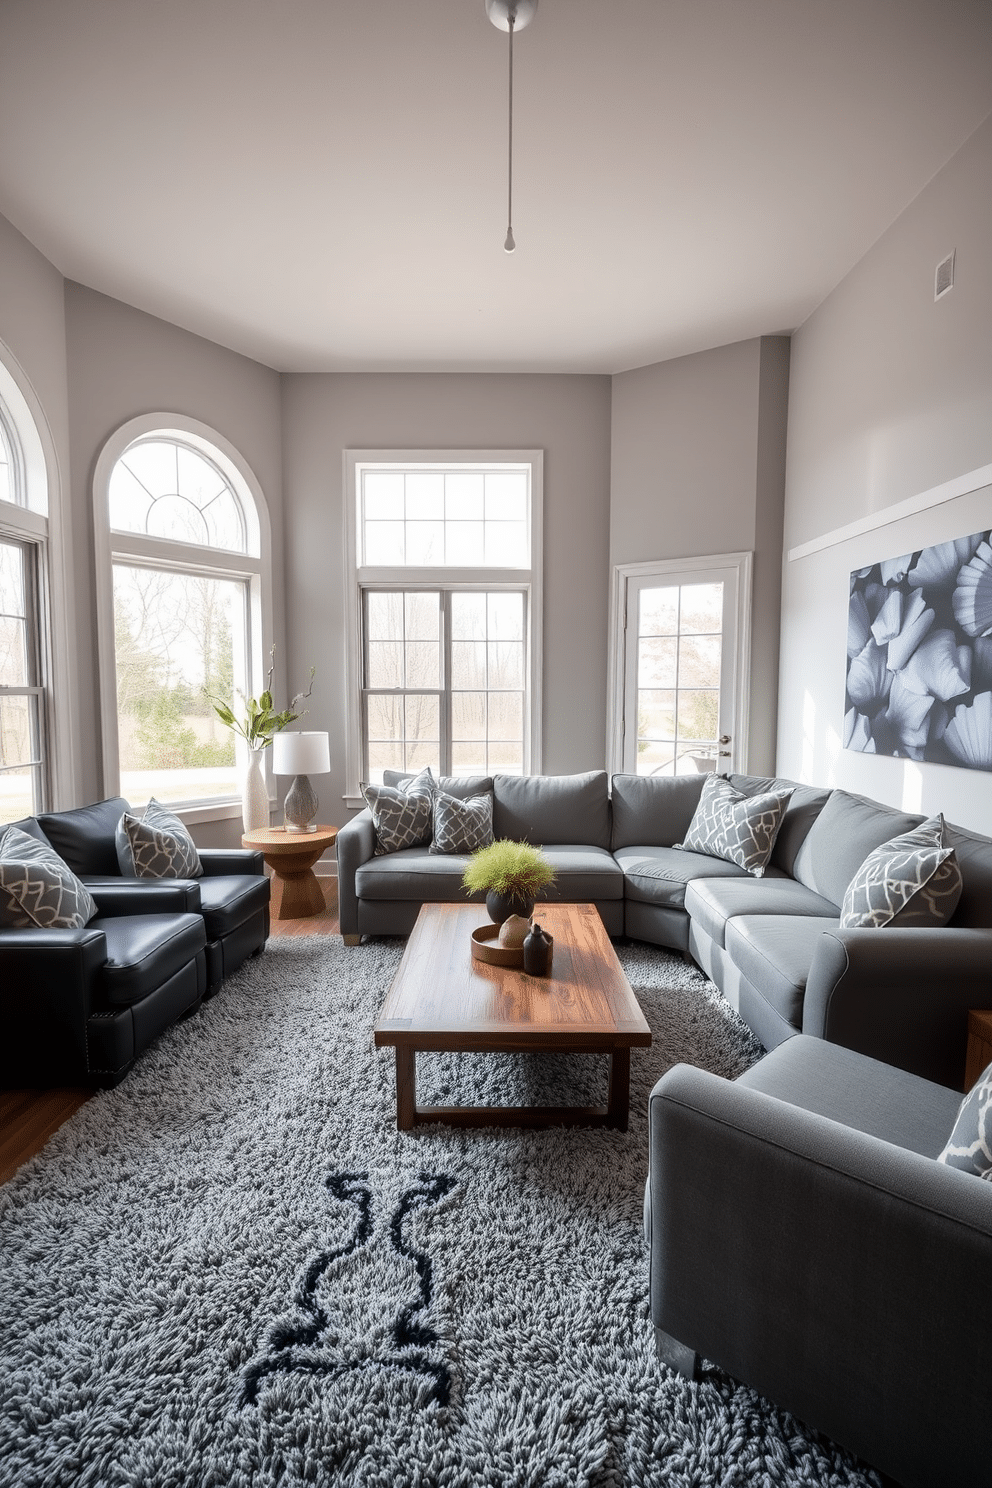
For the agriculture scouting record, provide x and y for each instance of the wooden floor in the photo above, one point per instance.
(29, 1117)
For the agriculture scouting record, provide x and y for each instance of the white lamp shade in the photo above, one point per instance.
(301, 754)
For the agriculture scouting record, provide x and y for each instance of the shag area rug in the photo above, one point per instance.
(233, 1270)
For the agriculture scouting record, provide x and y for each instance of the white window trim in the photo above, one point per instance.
(42, 520)
(622, 574)
(255, 567)
(443, 577)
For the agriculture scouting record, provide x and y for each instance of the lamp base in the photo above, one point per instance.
(301, 805)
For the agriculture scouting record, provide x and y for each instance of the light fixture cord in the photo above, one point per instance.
(509, 245)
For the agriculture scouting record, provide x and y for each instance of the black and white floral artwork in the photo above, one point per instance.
(919, 655)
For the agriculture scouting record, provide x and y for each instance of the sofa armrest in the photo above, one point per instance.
(354, 846)
(901, 996)
(132, 896)
(48, 980)
(220, 860)
(820, 1266)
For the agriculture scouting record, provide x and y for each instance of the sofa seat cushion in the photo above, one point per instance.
(143, 951)
(660, 875)
(229, 899)
(582, 874)
(414, 873)
(858, 1092)
(711, 902)
(774, 953)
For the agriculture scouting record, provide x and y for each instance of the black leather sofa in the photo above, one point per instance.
(78, 1006)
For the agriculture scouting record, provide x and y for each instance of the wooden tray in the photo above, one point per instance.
(496, 955)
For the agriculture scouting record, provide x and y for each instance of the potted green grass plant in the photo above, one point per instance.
(511, 875)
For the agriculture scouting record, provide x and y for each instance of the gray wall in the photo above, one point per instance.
(697, 469)
(122, 363)
(568, 417)
(891, 396)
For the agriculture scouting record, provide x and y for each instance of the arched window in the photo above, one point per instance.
(181, 520)
(28, 601)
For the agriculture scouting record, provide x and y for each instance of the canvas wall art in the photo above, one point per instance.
(919, 655)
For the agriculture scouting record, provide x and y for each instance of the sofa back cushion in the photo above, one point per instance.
(85, 838)
(462, 787)
(563, 809)
(653, 810)
(846, 830)
(974, 854)
(805, 805)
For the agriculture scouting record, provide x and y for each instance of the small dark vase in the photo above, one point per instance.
(500, 907)
(538, 947)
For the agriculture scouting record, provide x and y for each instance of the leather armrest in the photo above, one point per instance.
(130, 896)
(901, 996)
(354, 846)
(220, 860)
(48, 982)
(821, 1265)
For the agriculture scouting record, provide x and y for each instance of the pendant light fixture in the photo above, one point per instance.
(511, 16)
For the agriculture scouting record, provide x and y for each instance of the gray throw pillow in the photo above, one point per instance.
(970, 1145)
(912, 880)
(38, 890)
(462, 826)
(156, 845)
(737, 828)
(402, 818)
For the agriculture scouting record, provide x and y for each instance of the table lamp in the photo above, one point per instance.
(302, 755)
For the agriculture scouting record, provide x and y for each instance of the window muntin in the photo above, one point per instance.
(424, 517)
(8, 468)
(22, 697)
(165, 489)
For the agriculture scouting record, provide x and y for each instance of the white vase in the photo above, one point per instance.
(254, 794)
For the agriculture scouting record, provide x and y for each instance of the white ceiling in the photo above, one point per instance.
(322, 185)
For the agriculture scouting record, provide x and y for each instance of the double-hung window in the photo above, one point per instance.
(446, 619)
(25, 661)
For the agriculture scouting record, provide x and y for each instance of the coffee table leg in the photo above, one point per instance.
(618, 1109)
(406, 1088)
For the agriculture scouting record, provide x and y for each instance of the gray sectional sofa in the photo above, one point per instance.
(772, 944)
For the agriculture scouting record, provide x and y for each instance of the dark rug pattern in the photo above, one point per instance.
(233, 1270)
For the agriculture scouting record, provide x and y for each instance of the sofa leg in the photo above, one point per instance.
(683, 1360)
(352, 939)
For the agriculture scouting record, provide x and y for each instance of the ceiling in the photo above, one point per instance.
(322, 185)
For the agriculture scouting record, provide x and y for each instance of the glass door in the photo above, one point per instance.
(681, 671)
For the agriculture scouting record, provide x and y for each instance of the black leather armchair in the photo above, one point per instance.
(78, 1006)
(232, 897)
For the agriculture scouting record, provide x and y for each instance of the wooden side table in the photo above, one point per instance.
(979, 1045)
(291, 856)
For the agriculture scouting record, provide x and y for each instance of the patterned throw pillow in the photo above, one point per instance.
(913, 879)
(970, 1144)
(462, 826)
(740, 829)
(402, 818)
(156, 845)
(38, 890)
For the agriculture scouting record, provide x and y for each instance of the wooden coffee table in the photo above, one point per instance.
(443, 999)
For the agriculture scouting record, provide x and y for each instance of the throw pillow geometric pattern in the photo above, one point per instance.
(740, 829)
(38, 890)
(156, 845)
(402, 818)
(462, 826)
(913, 879)
(970, 1145)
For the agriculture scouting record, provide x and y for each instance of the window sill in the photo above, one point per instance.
(214, 811)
